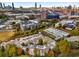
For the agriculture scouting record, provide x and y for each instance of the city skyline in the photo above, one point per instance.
(43, 4)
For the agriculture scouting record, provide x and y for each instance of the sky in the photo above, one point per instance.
(43, 4)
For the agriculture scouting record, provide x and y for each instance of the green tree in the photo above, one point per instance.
(35, 52)
(45, 54)
(4, 17)
(64, 47)
(74, 32)
(38, 53)
(40, 42)
(21, 7)
(11, 50)
(78, 44)
(2, 51)
(56, 50)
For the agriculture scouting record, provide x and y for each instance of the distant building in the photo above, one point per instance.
(73, 38)
(35, 5)
(63, 16)
(74, 17)
(73, 13)
(22, 17)
(52, 16)
(13, 6)
(69, 7)
(68, 24)
(43, 14)
(31, 24)
(56, 33)
(1, 5)
(8, 7)
(40, 6)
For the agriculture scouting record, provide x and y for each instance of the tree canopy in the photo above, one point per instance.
(11, 50)
(64, 47)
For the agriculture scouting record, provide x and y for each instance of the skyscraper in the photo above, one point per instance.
(13, 6)
(3, 5)
(0, 5)
(40, 6)
(35, 5)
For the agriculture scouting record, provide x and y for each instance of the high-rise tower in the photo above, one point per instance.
(3, 5)
(40, 6)
(0, 5)
(35, 5)
(13, 6)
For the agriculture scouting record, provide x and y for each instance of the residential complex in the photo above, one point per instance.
(38, 31)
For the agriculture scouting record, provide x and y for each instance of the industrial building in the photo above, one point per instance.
(56, 33)
(52, 16)
(31, 24)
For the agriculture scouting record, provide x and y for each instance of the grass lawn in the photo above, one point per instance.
(4, 36)
(24, 56)
(74, 53)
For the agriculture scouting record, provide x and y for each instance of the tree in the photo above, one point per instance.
(2, 51)
(11, 50)
(64, 47)
(45, 54)
(74, 32)
(19, 51)
(58, 25)
(4, 17)
(50, 53)
(38, 53)
(21, 7)
(40, 41)
(27, 52)
(43, 25)
(35, 52)
(78, 44)
(56, 50)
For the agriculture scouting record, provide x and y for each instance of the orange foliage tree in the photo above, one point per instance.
(64, 47)
(50, 53)
(27, 52)
(19, 51)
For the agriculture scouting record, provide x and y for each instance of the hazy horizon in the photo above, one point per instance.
(43, 4)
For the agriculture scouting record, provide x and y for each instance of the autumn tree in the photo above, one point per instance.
(19, 51)
(27, 52)
(50, 53)
(64, 47)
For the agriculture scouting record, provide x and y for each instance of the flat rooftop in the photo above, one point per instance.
(57, 33)
(73, 38)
